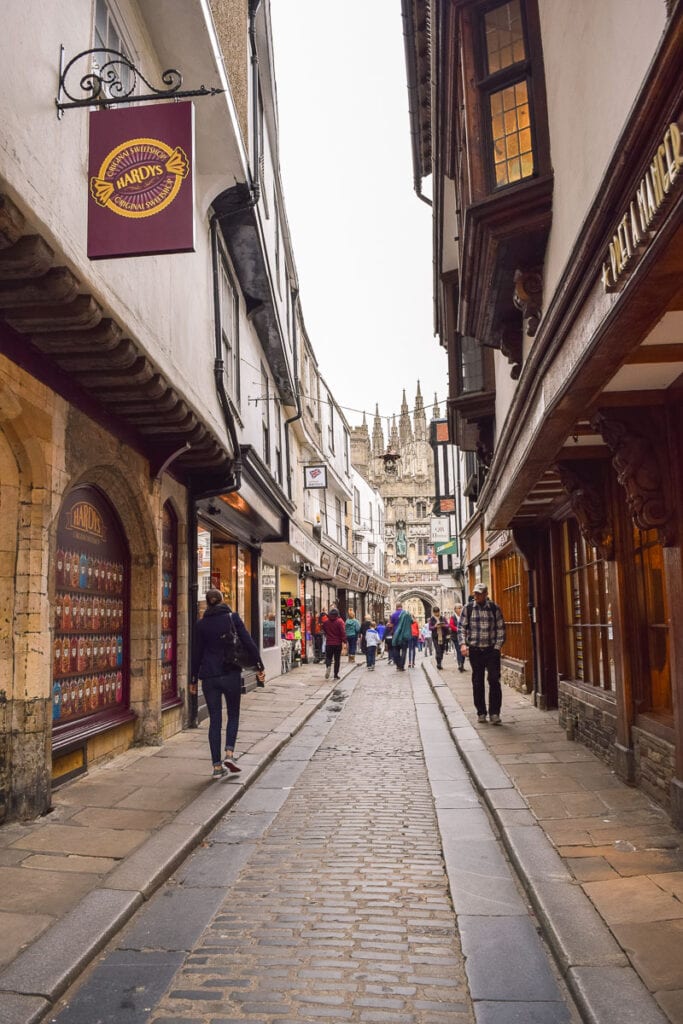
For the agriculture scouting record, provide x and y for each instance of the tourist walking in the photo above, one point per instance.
(401, 639)
(439, 630)
(413, 642)
(481, 634)
(219, 636)
(427, 639)
(335, 637)
(371, 645)
(453, 626)
(353, 628)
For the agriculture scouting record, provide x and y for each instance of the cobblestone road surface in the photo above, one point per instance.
(323, 895)
(342, 912)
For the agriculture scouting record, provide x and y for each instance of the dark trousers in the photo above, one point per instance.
(391, 650)
(400, 656)
(215, 688)
(370, 655)
(412, 648)
(352, 641)
(333, 651)
(439, 651)
(486, 661)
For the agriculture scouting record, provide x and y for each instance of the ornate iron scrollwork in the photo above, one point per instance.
(114, 80)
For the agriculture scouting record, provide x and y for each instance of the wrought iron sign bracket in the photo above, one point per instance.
(111, 78)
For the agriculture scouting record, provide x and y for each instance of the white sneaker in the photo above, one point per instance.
(495, 720)
(327, 673)
(482, 718)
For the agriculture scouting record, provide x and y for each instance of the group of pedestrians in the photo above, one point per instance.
(222, 645)
(477, 631)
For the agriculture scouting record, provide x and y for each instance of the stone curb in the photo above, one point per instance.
(592, 963)
(31, 984)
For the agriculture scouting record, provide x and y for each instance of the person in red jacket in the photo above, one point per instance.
(335, 636)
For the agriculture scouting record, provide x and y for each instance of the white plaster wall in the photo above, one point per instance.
(505, 390)
(596, 54)
(164, 302)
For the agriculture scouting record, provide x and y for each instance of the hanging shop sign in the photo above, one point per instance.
(140, 181)
(315, 477)
(635, 229)
(447, 547)
(440, 529)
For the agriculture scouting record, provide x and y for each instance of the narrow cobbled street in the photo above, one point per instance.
(324, 894)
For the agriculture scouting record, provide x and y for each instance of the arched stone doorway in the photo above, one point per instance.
(418, 602)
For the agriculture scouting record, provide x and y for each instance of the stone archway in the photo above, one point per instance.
(138, 509)
(418, 602)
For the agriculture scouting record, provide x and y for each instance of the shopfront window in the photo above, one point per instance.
(587, 611)
(511, 592)
(269, 605)
(91, 585)
(653, 625)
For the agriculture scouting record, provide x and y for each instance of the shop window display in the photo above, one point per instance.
(169, 675)
(290, 624)
(90, 610)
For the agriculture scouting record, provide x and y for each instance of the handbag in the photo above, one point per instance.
(234, 654)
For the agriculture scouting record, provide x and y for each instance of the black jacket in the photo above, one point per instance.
(208, 650)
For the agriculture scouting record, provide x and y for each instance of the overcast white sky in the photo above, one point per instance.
(361, 237)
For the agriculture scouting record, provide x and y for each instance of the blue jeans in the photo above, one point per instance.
(215, 688)
(412, 647)
(370, 656)
(352, 642)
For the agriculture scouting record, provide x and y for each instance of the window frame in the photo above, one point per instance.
(489, 83)
(229, 347)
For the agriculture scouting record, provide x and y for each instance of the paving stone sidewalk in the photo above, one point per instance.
(70, 879)
(616, 846)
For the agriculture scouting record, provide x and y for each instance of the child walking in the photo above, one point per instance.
(371, 644)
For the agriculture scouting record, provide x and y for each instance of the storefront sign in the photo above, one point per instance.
(303, 544)
(634, 230)
(448, 547)
(140, 182)
(440, 529)
(500, 541)
(315, 477)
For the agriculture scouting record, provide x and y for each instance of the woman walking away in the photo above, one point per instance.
(401, 640)
(218, 636)
(371, 645)
(335, 635)
(414, 641)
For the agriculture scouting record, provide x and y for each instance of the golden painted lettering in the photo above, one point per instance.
(624, 240)
(654, 187)
(635, 225)
(662, 164)
(672, 144)
(657, 186)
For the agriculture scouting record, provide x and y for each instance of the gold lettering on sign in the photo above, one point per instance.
(634, 231)
(85, 518)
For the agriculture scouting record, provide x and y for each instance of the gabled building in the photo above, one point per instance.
(552, 135)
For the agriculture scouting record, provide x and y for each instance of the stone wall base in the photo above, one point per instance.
(24, 777)
(513, 674)
(655, 766)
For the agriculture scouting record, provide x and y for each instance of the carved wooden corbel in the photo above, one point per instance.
(635, 460)
(589, 506)
(528, 297)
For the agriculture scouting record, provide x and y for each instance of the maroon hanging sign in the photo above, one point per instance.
(140, 181)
